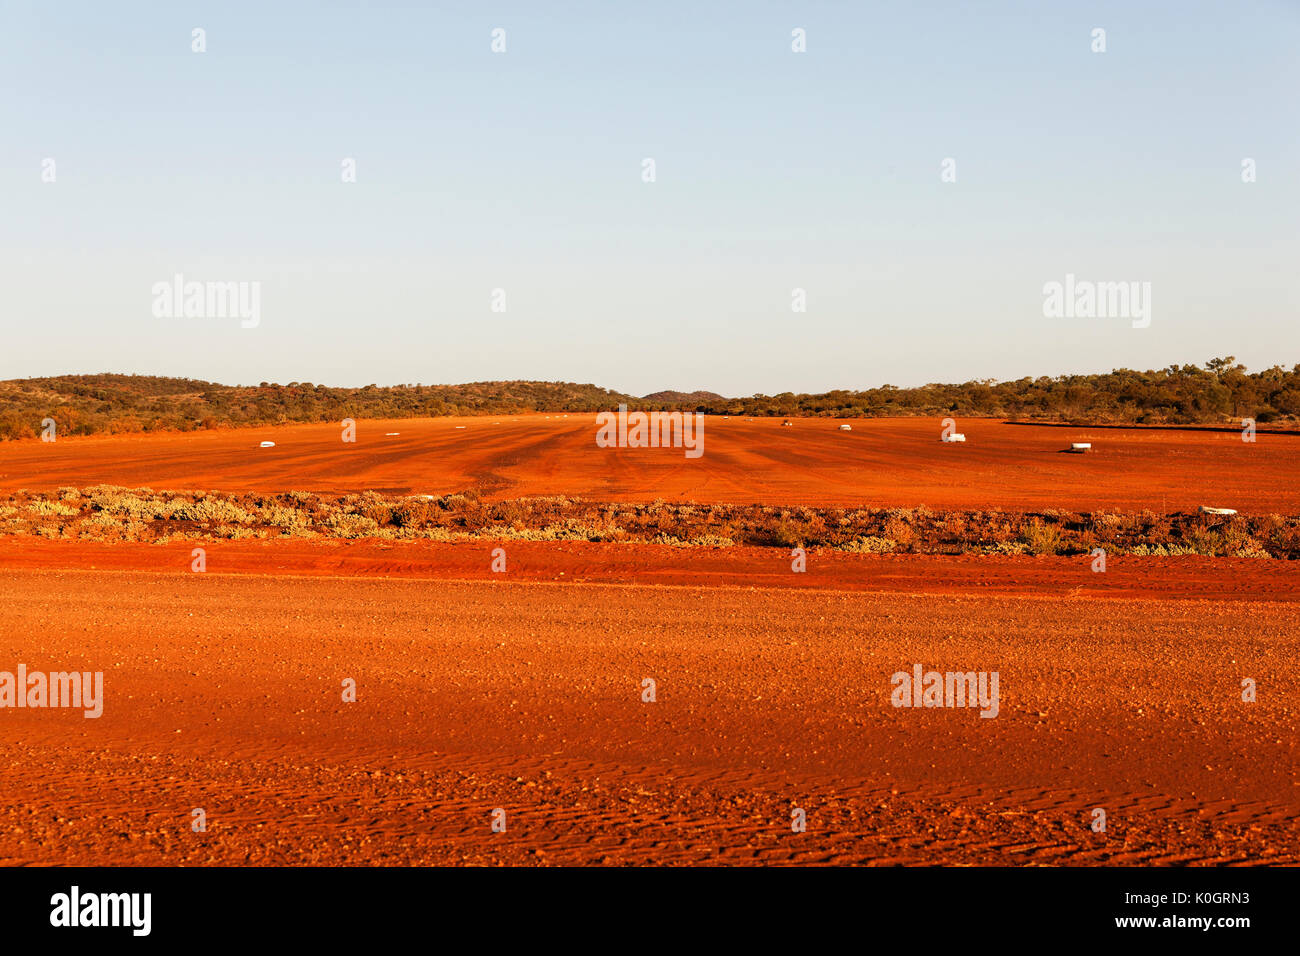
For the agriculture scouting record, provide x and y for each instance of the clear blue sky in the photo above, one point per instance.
(522, 171)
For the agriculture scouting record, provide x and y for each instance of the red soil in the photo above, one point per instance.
(1120, 690)
(223, 692)
(576, 563)
(881, 462)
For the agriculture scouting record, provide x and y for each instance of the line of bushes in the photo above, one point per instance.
(107, 512)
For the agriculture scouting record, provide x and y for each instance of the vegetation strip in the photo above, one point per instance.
(111, 513)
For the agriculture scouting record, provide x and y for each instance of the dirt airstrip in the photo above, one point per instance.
(881, 462)
(525, 691)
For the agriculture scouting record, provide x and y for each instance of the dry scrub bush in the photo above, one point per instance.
(1009, 547)
(870, 544)
(277, 517)
(210, 511)
(380, 514)
(900, 531)
(296, 531)
(412, 513)
(711, 541)
(51, 509)
(1160, 550)
(1102, 521)
(668, 540)
(1157, 526)
(128, 505)
(1202, 540)
(1041, 538)
(99, 527)
(1235, 537)
(780, 532)
(508, 512)
(1286, 539)
(1000, 532)
(352, 526)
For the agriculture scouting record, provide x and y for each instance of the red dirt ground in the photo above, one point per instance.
(223, 693)
(522, 691)
(576, 563)
(881, 462)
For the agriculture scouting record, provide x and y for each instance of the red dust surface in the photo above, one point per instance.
(581, 562)
(880, 462)
(223, 692)
(524, 691)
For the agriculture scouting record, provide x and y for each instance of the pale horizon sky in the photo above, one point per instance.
(522, 171)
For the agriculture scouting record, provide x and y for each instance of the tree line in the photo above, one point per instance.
(1220, 392)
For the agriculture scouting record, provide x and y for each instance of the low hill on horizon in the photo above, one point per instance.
(683, 398)
(1219, 393)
